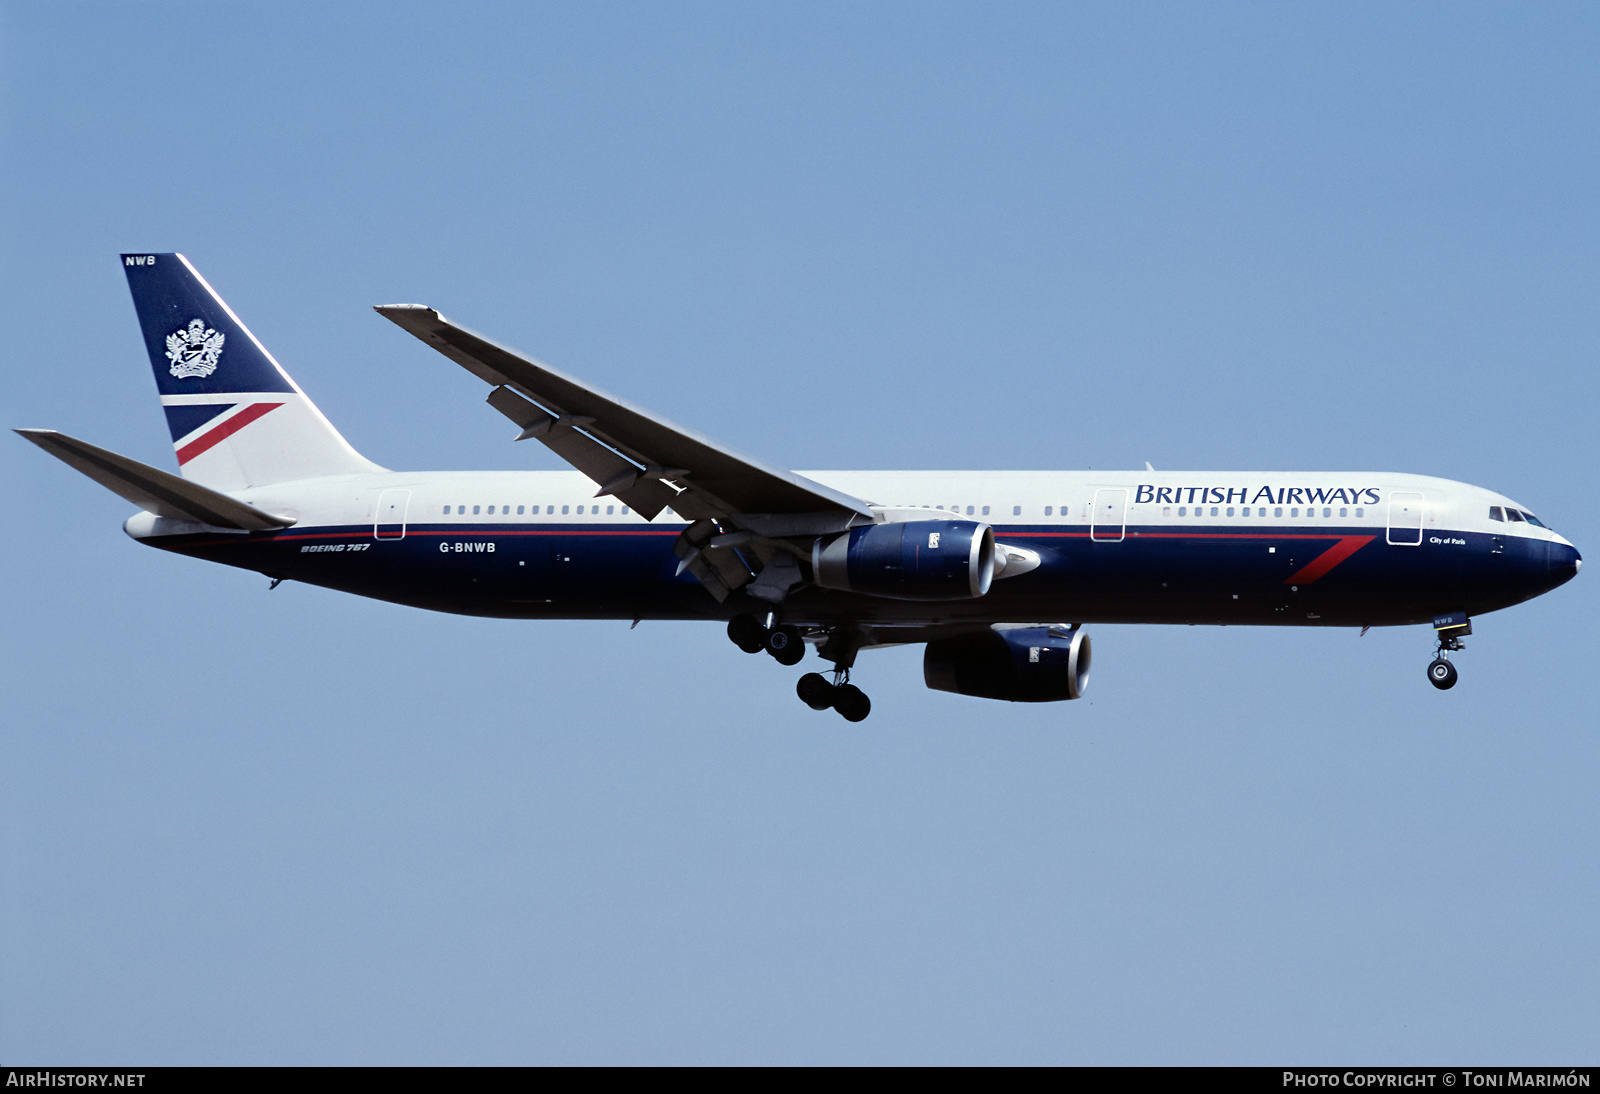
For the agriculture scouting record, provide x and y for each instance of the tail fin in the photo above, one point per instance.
(237, 420)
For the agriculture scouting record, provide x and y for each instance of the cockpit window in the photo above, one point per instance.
(1495, 513)
(1531, 519)
(1513, 514)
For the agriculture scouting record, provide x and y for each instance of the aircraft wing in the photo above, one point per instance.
(629, 452)
(153, 490)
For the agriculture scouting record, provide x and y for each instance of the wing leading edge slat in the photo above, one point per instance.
(722, 481)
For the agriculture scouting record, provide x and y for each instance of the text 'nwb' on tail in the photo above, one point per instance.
(237, 419)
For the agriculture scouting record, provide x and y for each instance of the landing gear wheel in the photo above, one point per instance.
(786, 645)
(1442, 674)
(746, 632)
(851, 702)
(815, 691)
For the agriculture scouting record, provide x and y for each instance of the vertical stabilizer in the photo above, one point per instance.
(237, 419)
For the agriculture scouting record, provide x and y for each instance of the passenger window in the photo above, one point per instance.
(447, 510)
(1047, 510)
(624, 510)
(519, 510)
(1514, 515)
(1166, 510)
(969, 510)
(475, 510)
(461, 510)
(1245, 512)
(985, 510)
(1213, 510)
(1277, 511)
(1344, 512)
(1327, 513)
(565, 509)
(1183, 510)
(1016, 510)
(610, 509)
(1496, 514)
(1230, 510)
(549, 509)
(1294, 512)
(1361, 512)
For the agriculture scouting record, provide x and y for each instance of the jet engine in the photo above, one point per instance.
(908, 560)
(1019, 664)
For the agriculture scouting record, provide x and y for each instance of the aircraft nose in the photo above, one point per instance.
(1564, 561)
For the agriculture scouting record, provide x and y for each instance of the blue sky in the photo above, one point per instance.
(305, 828)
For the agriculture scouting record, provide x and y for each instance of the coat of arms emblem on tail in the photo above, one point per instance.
(194, 350)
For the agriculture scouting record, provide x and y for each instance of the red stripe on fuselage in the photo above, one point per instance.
(1316, 568)
(1305, 575)
(1327, 560)
(478, 532)
(223, 431)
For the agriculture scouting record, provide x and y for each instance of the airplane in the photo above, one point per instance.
(996, 573)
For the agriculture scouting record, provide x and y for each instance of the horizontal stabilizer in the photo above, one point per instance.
(153, 490)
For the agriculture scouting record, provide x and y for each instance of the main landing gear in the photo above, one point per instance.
(1451, 629)
(817, 693)
(786, 645)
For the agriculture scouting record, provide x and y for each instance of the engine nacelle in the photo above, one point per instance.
(908, 560)
(1021, 664)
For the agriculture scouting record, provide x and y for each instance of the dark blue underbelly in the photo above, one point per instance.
(1311, 576)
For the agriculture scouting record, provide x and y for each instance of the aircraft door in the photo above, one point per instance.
(1405, 518)
(1109, 515)
(389, 522)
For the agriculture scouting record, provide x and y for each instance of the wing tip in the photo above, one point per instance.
(415, 318)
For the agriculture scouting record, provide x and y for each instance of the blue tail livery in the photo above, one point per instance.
(237, 420)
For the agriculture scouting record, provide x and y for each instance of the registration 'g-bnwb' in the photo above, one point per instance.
(996, 572)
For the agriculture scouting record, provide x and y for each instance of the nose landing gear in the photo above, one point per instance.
(1451, 629)
(1442, 674)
